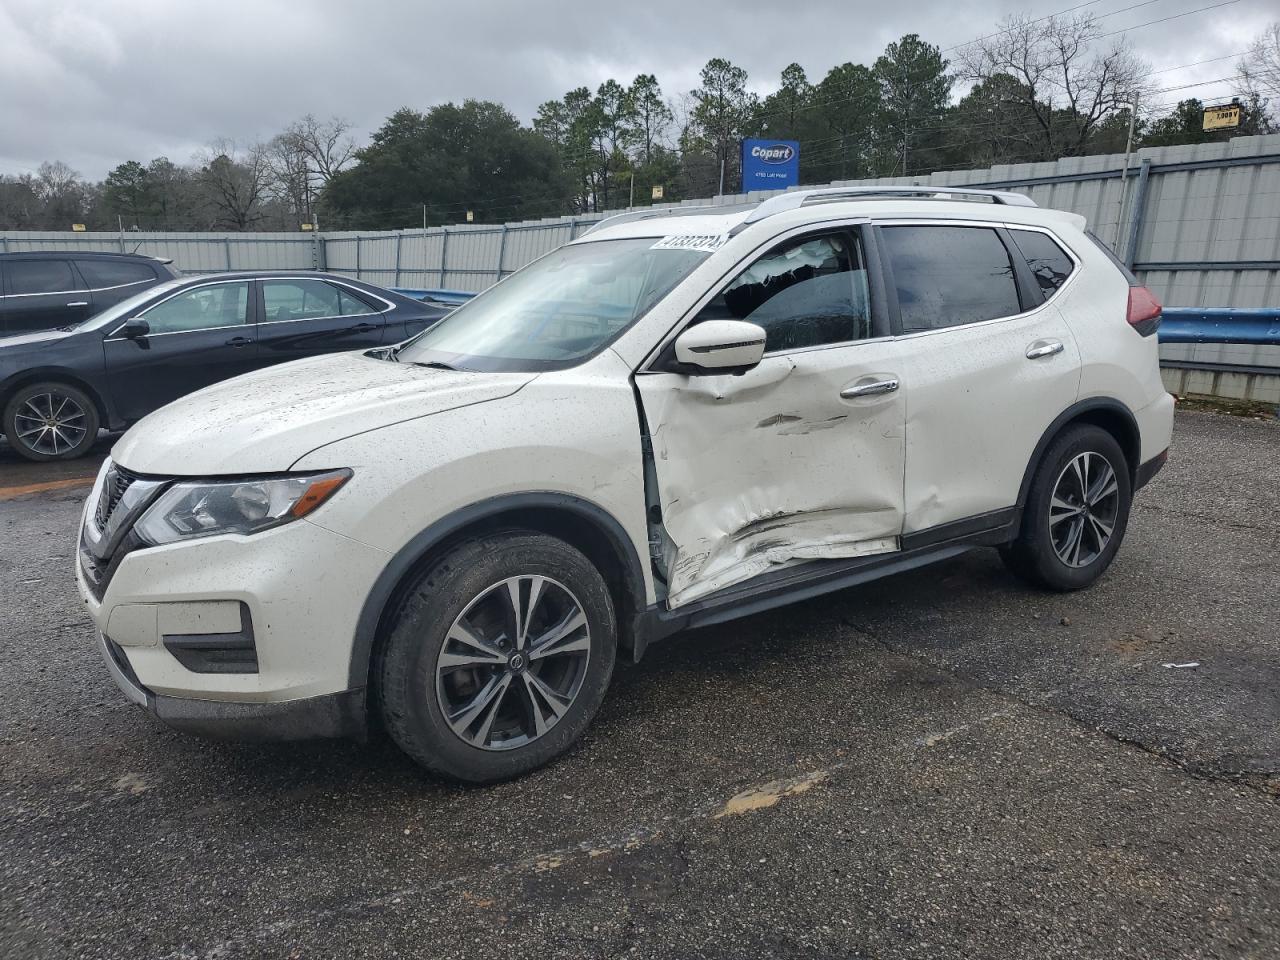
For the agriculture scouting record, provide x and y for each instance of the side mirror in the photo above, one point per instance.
(135, 329)
(720, 346)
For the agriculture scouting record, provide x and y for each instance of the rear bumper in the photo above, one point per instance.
(330, 716)
(1149, 469)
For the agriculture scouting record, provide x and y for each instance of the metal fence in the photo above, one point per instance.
(1199, 223)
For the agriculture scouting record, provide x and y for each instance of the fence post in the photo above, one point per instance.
(444, 253)
(1139, 213)
(573, 228)
(399, 243)
(317, 251)
(502, 250)
(358, 277)
(226, 249)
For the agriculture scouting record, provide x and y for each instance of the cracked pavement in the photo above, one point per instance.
(943, 764)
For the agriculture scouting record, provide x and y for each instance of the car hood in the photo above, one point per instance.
(265, 421)
(32, 339)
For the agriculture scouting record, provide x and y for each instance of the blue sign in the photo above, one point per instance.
(770, 164)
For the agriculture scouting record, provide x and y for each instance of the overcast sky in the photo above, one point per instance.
(97, 82)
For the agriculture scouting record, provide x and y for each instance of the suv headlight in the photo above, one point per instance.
(205, 509)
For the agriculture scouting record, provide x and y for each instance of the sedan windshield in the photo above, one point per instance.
(558, 310)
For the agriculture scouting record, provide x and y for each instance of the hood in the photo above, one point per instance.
(265, 421)
(31, 339)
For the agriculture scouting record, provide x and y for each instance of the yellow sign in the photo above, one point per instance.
(306, 226)
(77, 227)
(471, 216)
(1222, 118)
(657, 191)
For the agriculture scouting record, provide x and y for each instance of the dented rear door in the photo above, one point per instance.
(781, 464)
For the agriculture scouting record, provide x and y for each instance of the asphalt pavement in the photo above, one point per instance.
(945, 764)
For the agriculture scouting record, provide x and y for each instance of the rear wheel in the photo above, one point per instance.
(499, 657)
(51, 421)
(1076, 512)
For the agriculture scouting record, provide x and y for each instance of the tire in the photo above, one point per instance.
(35, 406)
(425, 675)
(1062, 544)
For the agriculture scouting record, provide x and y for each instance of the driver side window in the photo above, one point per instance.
(202, 308)
(806, 292)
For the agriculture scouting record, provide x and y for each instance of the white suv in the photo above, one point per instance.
(683, 417)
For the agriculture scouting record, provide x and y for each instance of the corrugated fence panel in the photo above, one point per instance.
(1210, 210)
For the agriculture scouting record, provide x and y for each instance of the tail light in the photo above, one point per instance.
(1144, 311)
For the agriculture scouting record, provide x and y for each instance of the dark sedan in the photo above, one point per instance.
(58, 387)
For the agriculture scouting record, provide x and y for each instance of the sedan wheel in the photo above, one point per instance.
(51, 421)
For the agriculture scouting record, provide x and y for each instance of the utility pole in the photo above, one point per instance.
(721, 176)
(632, 201)
(1124, 173)
(424, 218)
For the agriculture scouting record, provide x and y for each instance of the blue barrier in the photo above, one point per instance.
(1220, 325)
(434, 293)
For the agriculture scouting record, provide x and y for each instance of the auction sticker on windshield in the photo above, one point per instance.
(706, 242)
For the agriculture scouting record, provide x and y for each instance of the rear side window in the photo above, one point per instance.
(949, 276)
(1049, 263)
(353, 306)
(102, 274)
(300, 299)
(41, 276)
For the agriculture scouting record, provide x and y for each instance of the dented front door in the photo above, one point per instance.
(784, 463)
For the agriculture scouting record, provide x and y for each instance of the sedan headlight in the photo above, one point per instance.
(205, 509)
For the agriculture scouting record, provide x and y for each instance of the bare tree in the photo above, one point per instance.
(1066, 83)
(290, 176)
(1260, 68)
(235, 182)
(327, 144)
(62, 193)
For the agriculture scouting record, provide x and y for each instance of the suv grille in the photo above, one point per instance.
(118, 480)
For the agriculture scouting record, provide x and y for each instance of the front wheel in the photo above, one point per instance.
(1076, 512)
(498, 658)
(50, 421)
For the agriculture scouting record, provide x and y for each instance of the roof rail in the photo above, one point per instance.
(651, 212)
(794, 199)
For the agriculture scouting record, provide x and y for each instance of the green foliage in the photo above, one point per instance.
(452, 158)
(914, 92)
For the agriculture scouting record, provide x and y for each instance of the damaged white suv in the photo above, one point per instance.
(684, 416)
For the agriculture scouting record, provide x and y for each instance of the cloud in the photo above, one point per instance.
(97, 82)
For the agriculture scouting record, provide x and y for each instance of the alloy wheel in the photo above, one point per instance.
(513, 663)
(1084, 509)
(51, 423)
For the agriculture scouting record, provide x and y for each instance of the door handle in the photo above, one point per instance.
(873, 389)
(79, 303)
(364, 327)
(238, 342)
(1044, 348)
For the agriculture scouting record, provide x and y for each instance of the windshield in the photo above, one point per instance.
(124, 309)
(558, 310)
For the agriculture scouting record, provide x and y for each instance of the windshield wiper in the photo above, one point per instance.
(434, 364)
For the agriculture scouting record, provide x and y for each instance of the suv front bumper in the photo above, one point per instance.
(334, 715)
